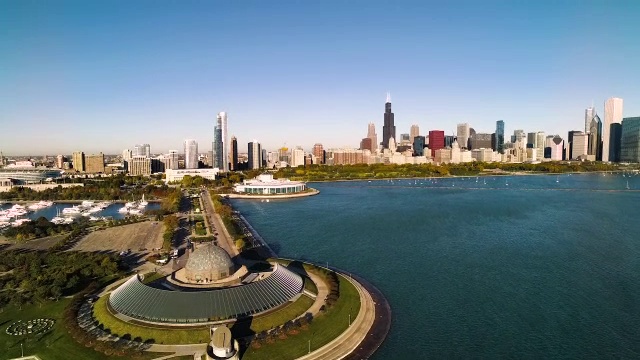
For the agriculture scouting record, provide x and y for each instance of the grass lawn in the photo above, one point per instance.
(57, 344)
(152, 276)
(310, 286)
(160, 336)
(324, 328)
(54, 345)
(282, 315)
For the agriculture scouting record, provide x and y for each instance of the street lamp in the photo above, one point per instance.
(313, 333)
(21, 349)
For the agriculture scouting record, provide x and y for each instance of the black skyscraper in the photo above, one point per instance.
(389, 128)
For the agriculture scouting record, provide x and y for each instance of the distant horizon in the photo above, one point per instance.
(91, 77)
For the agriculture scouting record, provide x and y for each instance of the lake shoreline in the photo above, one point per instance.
(502, 174)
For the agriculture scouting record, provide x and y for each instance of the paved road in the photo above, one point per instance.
(224, 239)
(348, 341)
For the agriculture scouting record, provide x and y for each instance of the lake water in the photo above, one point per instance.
(50, 212)
(520, 267)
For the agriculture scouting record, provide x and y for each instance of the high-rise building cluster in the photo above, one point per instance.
(616, 139)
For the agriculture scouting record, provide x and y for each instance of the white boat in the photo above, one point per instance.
(68, 220)
(135, 212)
(40, 205)
(142, 204)
(74, 210)
(20, 222)
(87, 203)
(123, 210)
(57, 219)
(95, 209)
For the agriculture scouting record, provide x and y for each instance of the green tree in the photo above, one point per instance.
(240, 244)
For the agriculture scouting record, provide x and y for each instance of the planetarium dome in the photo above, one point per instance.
(208, 263)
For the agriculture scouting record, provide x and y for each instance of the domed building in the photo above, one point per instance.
(208, 263)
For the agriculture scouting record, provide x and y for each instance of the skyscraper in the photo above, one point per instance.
(630, 140)
(589, 113)
(224, 139)
(418, 145)
(171, 160)
(318, 150)
(233, 154)
(255, 155)
(499, 141)
(297, 157)
(540, 144)
(142, 150)
(371, 134)
(579, 145)
(612, 115)
(78, 161)
(595, 138)
(463, 135)
(415, 131)
(389, 128)
(94, 163)
(190, 154)
(436, 141)
(218, 145)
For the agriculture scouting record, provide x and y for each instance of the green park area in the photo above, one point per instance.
(392, 171)
(56, 344)
(325, 327)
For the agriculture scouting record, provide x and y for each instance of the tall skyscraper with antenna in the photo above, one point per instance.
(389, 128)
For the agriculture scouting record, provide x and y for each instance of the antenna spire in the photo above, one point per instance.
(388, 97)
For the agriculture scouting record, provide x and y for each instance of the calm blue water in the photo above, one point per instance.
(544, 267)
(51, 211)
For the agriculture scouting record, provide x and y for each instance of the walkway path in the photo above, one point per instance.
(224, 239)
(349, 340)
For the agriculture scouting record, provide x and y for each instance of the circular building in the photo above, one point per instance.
(265, 184)
(148, 304)
(208, 263)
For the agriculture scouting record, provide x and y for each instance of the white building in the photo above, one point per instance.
(463, 135)
(255, 155)
(557, 147)
(172, 175)
(482, 155)
(222, 121)
(190, 154)
(415, 131)
(579, 146)
(612, 115)
(297, 157)
(266, 184)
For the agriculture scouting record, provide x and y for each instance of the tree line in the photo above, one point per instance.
(388, 171)
(32, 277)
(113, 189)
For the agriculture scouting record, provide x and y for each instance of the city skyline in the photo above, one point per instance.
(92, 75)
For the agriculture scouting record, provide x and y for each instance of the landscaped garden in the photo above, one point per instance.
(54, 344)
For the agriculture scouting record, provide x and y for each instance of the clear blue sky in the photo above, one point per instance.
(105, 75)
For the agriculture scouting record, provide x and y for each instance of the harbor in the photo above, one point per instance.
(18, 213)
